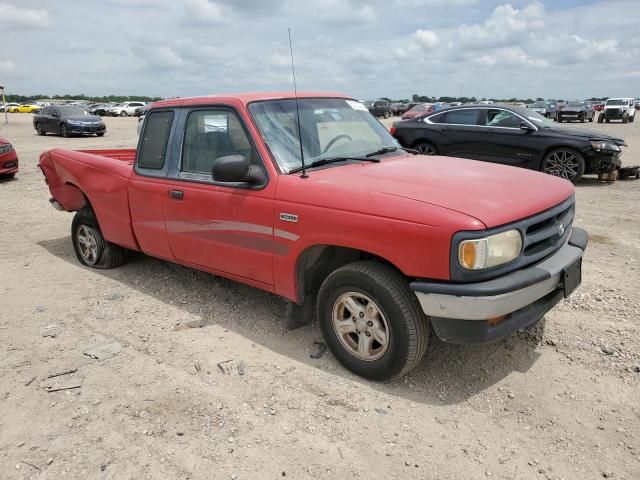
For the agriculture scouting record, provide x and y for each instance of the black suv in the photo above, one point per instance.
(576, 111)
(67, 120)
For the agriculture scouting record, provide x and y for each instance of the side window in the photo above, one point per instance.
(502, 118)
(439, 118)
(153, 146)
(211, 134)
(467, 116)
(45, 111)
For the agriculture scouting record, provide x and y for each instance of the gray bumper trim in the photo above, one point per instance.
(485, 307)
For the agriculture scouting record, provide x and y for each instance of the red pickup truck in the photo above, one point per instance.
(375, 242)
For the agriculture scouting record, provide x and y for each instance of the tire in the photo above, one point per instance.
(426, 148)
(64, 131)
(101, 134)
(565, 163)
(560, 119)
(591, 119)
(386, 114)
(123, 113)
(632, 118)
(398, 325)
(39, 130)
(581, 118)
(601, 118)
(625, 117)
(90, 245)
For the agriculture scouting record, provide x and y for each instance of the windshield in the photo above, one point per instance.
(421, 108)
(616, 102)
(330, 127)
(539, 105)
(381, 103)
(69, 110)
(575, 104)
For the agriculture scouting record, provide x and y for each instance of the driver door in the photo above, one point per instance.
(220, 227)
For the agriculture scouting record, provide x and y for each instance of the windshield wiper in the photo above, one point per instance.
(389, 150)
(326, 161)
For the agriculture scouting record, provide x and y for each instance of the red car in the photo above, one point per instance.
(376, 243)
(8, 159)
(420, 109)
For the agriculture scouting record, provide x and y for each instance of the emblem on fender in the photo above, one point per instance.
(289, 217)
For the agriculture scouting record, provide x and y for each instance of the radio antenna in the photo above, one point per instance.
(295, 93)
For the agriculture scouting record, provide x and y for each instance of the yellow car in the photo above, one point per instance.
(26, 108)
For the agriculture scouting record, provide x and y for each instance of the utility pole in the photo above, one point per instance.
(4, 104)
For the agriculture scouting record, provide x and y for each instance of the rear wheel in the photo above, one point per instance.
(564, 163)
(372, 321)
(90, 245)
(426, 148)
(39, 129)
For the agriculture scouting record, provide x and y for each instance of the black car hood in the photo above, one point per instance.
(84, 118)
(573, 109)
(589, 134)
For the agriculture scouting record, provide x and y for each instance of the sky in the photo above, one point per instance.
(562, 49)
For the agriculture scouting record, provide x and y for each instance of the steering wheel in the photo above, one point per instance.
(335, 139)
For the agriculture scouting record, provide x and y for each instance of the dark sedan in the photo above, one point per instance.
(576, 111)
(68, 120)
(513, 136)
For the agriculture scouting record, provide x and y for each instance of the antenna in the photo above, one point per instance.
(295, 93)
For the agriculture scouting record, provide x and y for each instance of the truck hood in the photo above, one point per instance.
(491, 193)
(574, 109)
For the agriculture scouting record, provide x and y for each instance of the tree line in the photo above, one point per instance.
(12, 97)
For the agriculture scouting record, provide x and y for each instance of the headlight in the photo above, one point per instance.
(603, 145)
(7, 147)
(490, 251)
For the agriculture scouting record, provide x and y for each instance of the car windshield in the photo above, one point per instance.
(538, 105)
(69, 110)
(330, 127)
(616, 102)
(575, 104)
(380, 103)
(421, 108)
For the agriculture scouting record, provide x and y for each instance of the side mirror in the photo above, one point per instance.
(236, 169)
(525, 127)
(55, 114)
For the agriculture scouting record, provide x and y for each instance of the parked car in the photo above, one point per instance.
(580, 111)
(99, 109)
(544, 108)
(68, 120)
(618, 109)
(218, 184)
(139, 111)
(417, 110)
(9, 106)
(8, 159)
(26, 107)
(512, 136)
(125, 109)
(381, 108)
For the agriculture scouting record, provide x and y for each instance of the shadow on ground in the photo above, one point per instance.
(448, 374)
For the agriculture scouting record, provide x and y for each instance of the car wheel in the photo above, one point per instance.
(386, 114)
(64, 131)
(39, 129)
(600, 118)
(581, 118)
(372, 321)
(90, 245)
(564, 163)
(591, 119)
(625, 117)
(426, 148)
(100, 134)
(123, 113)
(632, 118)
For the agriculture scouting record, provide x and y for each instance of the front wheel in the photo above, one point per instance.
(632, 118)
(90, 245)
(581, 118)
(64, 131)
(372, 321)
(426, 148)
(564, 163)
(123, 113)
(386, 115)
(601, 118)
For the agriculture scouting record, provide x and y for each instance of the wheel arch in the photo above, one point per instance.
(316, 262)
(551, 148)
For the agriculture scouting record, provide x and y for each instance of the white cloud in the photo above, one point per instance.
(18, 18)
(6, 67)
(203, 11)
(426, 38)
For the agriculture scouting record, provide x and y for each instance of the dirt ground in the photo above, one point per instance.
(209, 383)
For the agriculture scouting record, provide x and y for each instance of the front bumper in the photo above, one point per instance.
(487, 311)
(86, 129)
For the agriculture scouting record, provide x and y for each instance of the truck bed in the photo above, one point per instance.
(98, 176)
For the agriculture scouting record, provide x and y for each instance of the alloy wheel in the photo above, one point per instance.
(88, 244)
(360, 326)
(563, 164)
(426, 149)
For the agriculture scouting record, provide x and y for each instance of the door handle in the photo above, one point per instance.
(176, 194)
